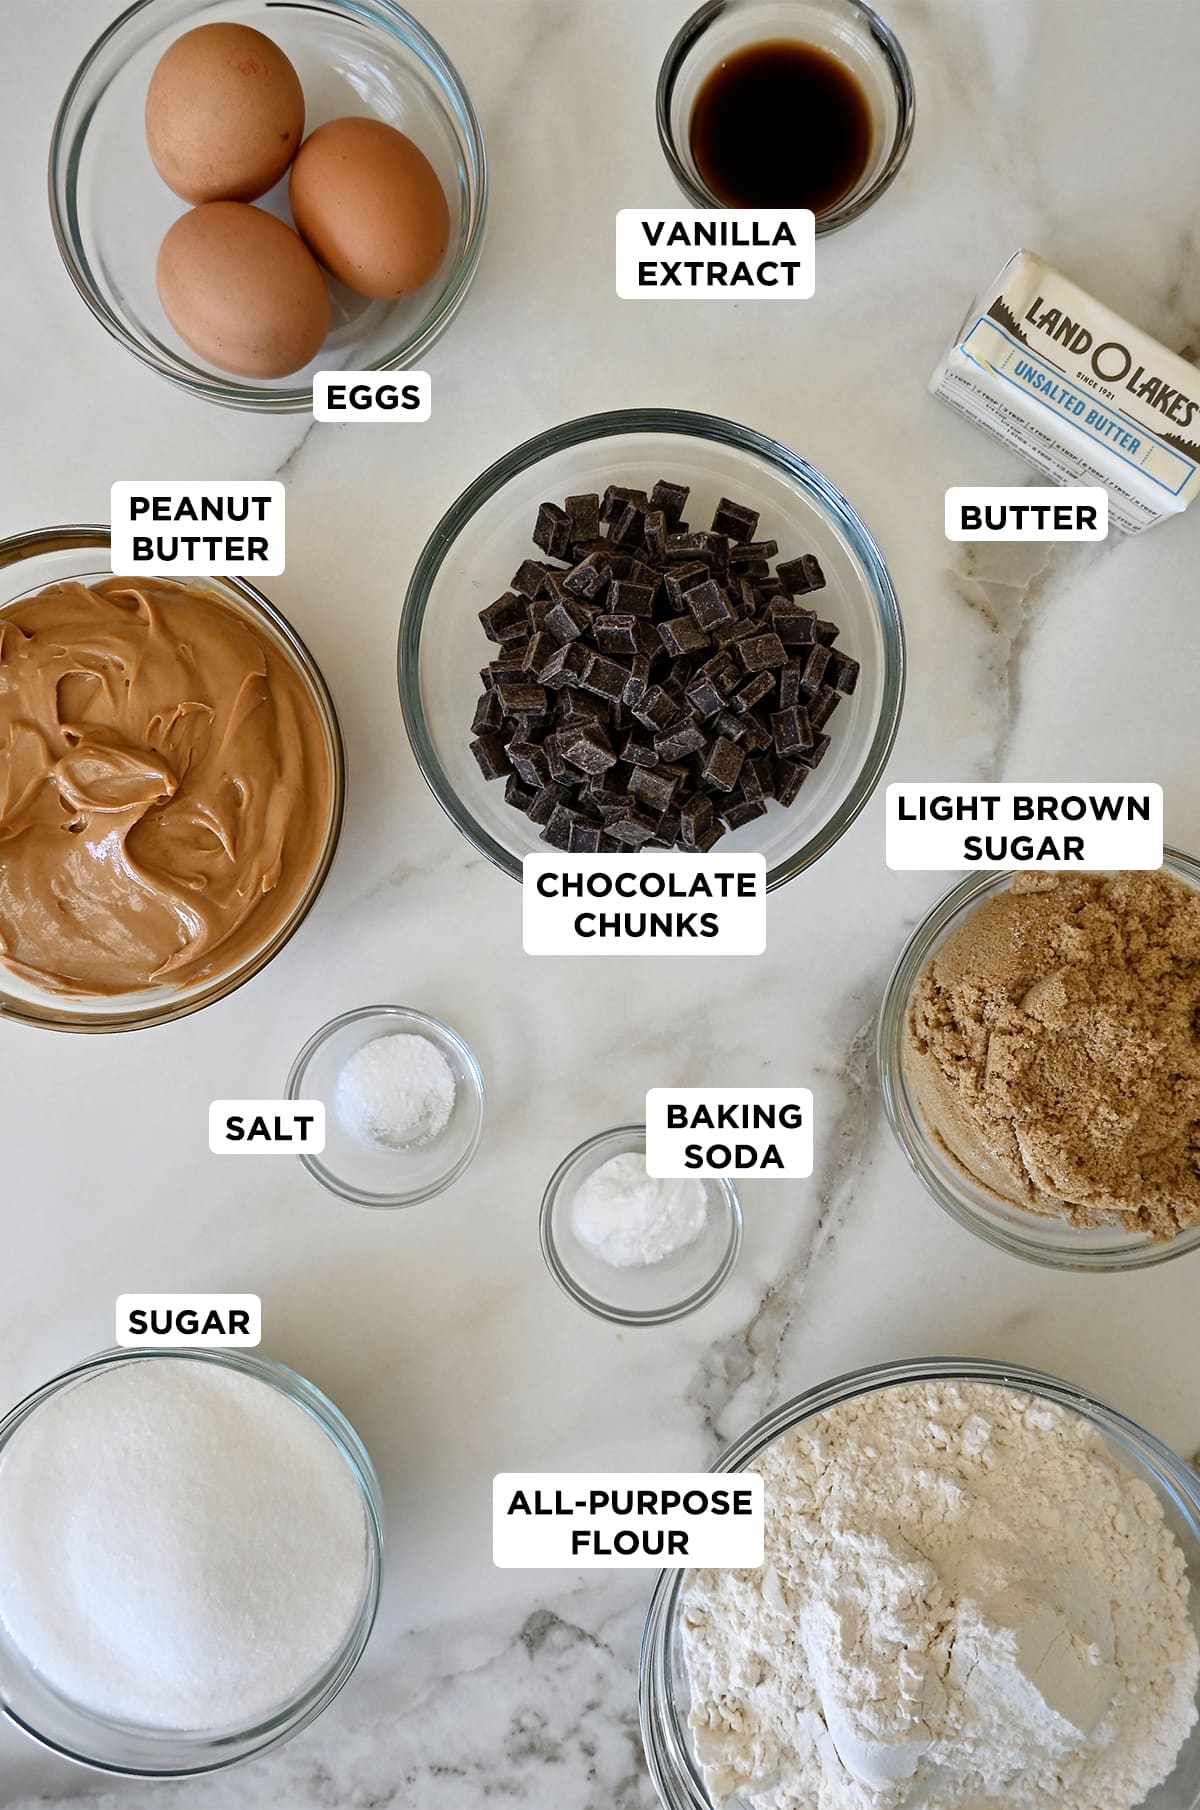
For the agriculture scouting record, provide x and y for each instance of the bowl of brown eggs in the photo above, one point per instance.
(247, 193)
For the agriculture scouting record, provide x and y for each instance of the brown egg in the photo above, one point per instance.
(224, 114)
(370, 205)
(243, 290)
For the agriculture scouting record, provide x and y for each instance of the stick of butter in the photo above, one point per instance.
(1078, 392)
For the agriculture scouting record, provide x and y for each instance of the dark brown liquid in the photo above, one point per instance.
(781, 124)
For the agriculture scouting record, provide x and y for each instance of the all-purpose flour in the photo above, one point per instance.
(966, 1601)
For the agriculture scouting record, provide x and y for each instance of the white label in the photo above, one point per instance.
(1026, 512)
(763, 1132)
(645, 904)
(706, 254)
(343, 396)
(941, 828)
(626, 1520)
(266, 1127)
(197, 528)
(175, 1320)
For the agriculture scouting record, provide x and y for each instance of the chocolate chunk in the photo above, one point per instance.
(654, 533)
(517, 795)
(695, 820)
(530, 578)
(788, 778)
(823, 706)
(726, 633)
(827, 632)
(732, 727)
(606, 678)
(737, 815)
(567, 665)
(552, 532)
(587, 747)
(656, 708)
(812, 757)
(791, 730)
(679, 580)
(790, 687)
(548, 796)
(682, 635)
(633, 830)
(490, 754)
(625, 598)
(798, 576)
(616, 634)
(583, 513)
(671, 499)
(842, 673)
(638, 749)
(568, 619)
(529, 762)
(752, 552)
(680, 739)
(589, 578)
(753, 691)
(638, 682)
(505, 618)
(734, 521)
(617, 497)
(722, 764)
(760, 652)
(523, 699)
(653, 788)
(703, 697)
(628, 528)
(708, 604)
(488, 714)
(814, 669)
(795, 627)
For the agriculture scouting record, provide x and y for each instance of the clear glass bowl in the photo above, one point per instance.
(847, 29)
(1052, 1242)
(131, 1752)
(378, 1177)
(110, 209)
(636, 1297)
(485, 535)
(44, 556)
(663, 1684)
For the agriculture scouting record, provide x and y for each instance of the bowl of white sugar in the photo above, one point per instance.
(190, 1557)
(404, 1101)
(980, 1586)
(634, 1248)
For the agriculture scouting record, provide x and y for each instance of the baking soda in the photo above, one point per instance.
(630, 1219)
(181, 1546)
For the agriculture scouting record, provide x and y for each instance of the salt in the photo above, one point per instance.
(181, 1546)
(395, 1091)
(630, 1219)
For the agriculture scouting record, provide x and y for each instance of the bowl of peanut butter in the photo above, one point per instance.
(171, 786)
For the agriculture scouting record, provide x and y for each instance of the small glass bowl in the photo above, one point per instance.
(110, 209)
(847, 29)
(44, 556)
(377, 1177)
(647, 1296)
(1052, 1242)
(30, 1705)
(485, 535)
(663, 1681)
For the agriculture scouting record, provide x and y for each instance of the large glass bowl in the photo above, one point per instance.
(485, 535)
(110, 209)
(29, 1703)
(1052, 1242)
(663, 1685)
(28, 563)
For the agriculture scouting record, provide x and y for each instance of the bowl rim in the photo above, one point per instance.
(688, 424)
(605, 1310)
(1059, 1246)
(425, 1023)
(857, 202)
(677, 1779)
(33, 543)
(223, 388)
(280, 1726)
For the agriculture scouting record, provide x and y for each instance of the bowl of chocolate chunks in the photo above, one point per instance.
(652, 630)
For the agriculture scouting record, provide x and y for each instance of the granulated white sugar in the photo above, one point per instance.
(181, 1546)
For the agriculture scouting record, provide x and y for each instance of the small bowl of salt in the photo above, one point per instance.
(631, 1247)
(403, 1099)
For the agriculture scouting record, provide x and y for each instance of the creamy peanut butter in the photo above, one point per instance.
(164, 786)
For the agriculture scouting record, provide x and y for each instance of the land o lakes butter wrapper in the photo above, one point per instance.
(1081, 394)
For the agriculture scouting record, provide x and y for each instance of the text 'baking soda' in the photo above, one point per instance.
(717, 1131)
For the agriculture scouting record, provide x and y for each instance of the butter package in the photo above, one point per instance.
(1081, 394)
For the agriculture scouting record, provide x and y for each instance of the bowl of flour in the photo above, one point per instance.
(981, 1588)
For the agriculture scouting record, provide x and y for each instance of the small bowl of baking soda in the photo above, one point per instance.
(403, 1097)
(631, 1247)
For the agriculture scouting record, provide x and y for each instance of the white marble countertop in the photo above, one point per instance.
(1066, 125)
